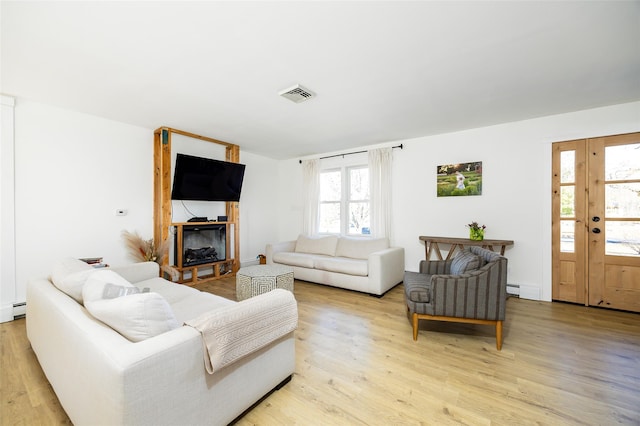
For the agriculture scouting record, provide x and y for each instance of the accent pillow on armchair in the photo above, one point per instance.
(464, 261)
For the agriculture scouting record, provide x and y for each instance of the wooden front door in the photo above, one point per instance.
(596, 221)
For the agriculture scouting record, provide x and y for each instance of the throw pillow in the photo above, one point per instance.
(360, 248)
(137, 316)
(464, 261)
(317, 245)
(69, 275)
(98, 282)
(120, 305)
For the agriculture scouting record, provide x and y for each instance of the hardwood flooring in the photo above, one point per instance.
(356, 364)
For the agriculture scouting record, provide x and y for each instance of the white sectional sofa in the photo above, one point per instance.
(362, 264)
(102, 377)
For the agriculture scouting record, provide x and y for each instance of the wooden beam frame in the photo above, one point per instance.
(162, 189)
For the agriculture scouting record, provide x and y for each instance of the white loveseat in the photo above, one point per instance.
(363, 264)
(103, 378)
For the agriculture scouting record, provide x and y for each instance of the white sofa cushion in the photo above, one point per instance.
(69, 276)
(360, 248)
(342, 265)
(317, 245)
(303, 260)
(136, 316)
(186, 302)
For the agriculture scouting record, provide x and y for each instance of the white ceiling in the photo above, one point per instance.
(382, 71)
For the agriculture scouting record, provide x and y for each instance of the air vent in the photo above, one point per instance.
(297, 94)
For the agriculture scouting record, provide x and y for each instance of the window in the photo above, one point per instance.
(344, 201)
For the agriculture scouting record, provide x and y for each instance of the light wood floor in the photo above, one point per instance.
(356, 364)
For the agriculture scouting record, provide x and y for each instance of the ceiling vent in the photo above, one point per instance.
(297, 94)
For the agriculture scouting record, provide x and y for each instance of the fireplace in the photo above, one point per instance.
(201, 244)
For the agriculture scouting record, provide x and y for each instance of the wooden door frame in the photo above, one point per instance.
(590, 261)
(597, 242)
(581, 221)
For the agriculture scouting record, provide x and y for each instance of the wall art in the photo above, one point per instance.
(459, 179)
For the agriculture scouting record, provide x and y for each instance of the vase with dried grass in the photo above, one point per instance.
(143, 250)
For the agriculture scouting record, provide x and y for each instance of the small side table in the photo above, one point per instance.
(254, 280)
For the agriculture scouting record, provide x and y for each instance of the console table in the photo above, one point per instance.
(431, 245)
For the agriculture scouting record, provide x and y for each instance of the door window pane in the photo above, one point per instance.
(567, 201)
(623, 238)
(622, 162)
(567, 166)
(623, 200)
(567, 236)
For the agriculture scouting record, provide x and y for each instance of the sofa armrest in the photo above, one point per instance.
(235, 331)
(137, 272)
(386, 268)
(286, 246)
(432, 267)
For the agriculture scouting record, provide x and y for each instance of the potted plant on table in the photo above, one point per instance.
(476, 232)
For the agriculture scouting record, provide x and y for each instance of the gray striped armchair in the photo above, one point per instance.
(470, 288)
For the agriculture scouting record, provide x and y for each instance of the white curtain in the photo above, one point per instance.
(311, 190)
(380, 161)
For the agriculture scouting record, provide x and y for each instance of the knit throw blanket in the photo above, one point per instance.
(234, 331)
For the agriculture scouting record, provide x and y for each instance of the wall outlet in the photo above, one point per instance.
(121, 212)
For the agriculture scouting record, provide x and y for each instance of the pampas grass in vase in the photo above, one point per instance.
(143, 250)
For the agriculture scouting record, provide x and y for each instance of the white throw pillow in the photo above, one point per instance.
(317, 245)
(360, 248)
(69, 276)
(136, 316)
(94, 287)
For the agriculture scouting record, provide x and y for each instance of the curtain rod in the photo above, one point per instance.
(350, 153)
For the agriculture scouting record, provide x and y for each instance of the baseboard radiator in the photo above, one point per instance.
(19, 310)
(513, 290)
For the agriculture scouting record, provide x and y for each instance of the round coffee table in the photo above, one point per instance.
(257, 279)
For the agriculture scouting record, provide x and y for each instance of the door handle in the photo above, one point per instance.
(595, 219)
(596, 230)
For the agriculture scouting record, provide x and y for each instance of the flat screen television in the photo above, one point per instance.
(205, 179)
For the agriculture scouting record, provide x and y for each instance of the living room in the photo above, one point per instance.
(74, 167)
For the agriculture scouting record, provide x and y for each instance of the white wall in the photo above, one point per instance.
(7, 212)
(516, 199)
(72, 171)
(259, 207)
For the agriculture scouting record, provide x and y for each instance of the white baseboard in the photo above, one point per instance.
(530, 292)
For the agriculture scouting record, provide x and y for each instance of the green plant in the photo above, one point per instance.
(475, 227)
